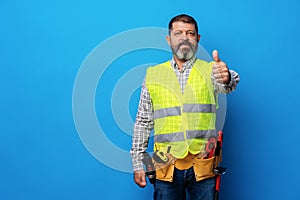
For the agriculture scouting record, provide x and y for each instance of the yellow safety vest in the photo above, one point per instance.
(183, 122)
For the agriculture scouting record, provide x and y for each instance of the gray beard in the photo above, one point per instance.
(184, 54)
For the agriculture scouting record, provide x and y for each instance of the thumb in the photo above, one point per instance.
(215, 55)
(142, 182)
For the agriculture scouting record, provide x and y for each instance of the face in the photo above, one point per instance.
(183, 40)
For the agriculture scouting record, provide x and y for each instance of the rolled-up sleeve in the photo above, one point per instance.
(226, 88)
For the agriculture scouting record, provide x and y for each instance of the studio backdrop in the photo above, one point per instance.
(71, 76)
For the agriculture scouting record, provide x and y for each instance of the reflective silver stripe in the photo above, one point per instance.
(176, 111)
(201, 134)
(166, 112)
(204, 108)
(169, 137)
(179, 136)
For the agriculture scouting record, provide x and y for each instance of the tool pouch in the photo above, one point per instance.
(203, 168)
(164, 171)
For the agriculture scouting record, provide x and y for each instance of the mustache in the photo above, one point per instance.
(185, 43)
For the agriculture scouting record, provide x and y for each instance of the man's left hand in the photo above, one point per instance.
(220, 69)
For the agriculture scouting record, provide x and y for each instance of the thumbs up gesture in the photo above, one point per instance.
(220, 70)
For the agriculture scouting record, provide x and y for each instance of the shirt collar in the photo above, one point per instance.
(188, 64)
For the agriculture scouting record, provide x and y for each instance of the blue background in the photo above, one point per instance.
(42, 46)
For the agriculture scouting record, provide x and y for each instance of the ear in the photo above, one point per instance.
(198, 38)
(168, 40)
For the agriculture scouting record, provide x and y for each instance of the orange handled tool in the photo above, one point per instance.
(218, 170)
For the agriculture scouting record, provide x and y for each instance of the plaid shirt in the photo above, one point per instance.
(144, 120)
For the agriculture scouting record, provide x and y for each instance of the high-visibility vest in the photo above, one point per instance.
(183, 122)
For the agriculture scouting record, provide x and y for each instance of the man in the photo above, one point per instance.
(178, 100)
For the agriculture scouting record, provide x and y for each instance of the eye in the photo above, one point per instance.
(177, 32)
(191, 33)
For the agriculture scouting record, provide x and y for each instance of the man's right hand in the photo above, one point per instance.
(140, 178)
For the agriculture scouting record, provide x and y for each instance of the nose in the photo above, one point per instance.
(184, 36)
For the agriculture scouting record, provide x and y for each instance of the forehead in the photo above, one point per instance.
(179, 25)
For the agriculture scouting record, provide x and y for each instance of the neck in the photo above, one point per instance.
(179, 62)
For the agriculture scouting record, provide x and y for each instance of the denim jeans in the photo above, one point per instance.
(184, 181)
